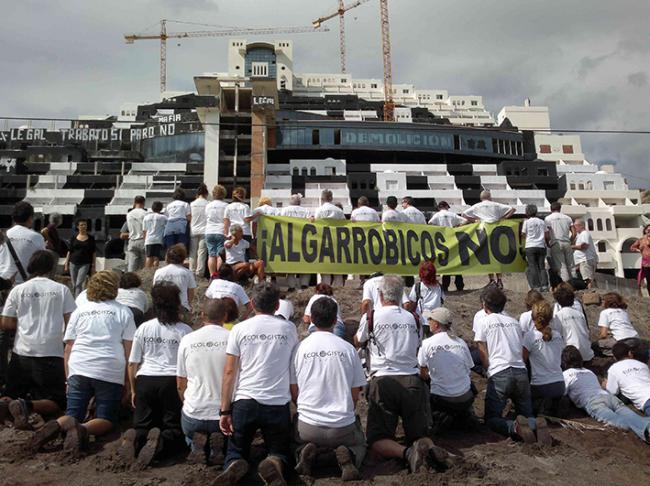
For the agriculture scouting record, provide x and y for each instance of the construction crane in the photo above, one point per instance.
(226, 32)
(389, 104)
(341, 14)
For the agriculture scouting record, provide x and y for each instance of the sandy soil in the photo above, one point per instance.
(599, 456)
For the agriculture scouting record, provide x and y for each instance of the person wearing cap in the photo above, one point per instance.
(448, 219)
(445, 359)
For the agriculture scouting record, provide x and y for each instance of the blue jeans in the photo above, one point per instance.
(108, 397)
(339, 329)
(274, 421)
(176, 232)
(511, 383)
(214, 243)
(191, 425)
(646, 409)
(78, 275)
(610, 410)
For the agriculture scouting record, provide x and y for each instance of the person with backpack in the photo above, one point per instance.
(427, 294)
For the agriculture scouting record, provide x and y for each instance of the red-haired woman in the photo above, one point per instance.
(427, 294)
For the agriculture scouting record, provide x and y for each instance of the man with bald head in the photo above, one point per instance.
(201, 360)
(585, 255)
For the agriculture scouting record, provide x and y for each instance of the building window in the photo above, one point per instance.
(337, 137)
(542, 172)
(590, 224)
(438, 96)
(572, 186)
(544, 149)
(296, 171)
(599, 224)
(373, 85)
(260, 69)
(474, 103)
(581, 186)
(608, 224)
(315, 137)
(405, 91)
(602, 247)
(303, 171)
(567, 149)
(312, 171)
(391, 185)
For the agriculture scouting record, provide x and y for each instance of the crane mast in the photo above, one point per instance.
(389, 104)
(342, 34)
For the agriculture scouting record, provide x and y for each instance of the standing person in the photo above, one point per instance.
(179, 215)
(177, 274)
(225, 286)
(236, 247)
(371, 298)
(488, 211)
(543, 348)
(324, 291)
(97, 343)
(325, 385)
(413, 214)
(536, 234)
(427, 294)
(295, 210)
(51, 235)
(264, 208)
(215, 236)
(364, 212)
(80, 260)
(444, 217)
(585, 255)
(154, 224)
(198, 250)
(642, 245)
(38, 310)
(501, 349)
(562, 232)
(131, 295)
(574, 323)
(614, 323)
(199, 375)
(445, 361)
(239, 213)
(395, 389)
(255, 392)
(327, 211)
(630, 375)
(392, 214)
(152, 376)
(135, 254)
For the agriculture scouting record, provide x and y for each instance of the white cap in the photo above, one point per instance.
(441, 315)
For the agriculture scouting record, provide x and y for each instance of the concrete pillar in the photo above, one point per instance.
(258, 154)
(211, 149)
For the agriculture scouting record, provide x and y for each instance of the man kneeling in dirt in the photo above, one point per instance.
(396, 390)
(326, 384)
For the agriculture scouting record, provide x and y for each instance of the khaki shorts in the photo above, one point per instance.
(588, 269)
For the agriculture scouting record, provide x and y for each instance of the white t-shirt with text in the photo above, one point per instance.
(449, 362)
(545, 357)
(364, 213)
(155, 347)
(488, 211)
(414, 215)
(214, 212)
(237, 212)
(618, 322)
(582, 386)
(154, 225)
(179, 275)
(560, 227)
(575, 331)
(430, 297)
(446, 218)
(504, 341)
(25, 242)
(178, 210)
(220, 288)
(199, 219)
(133, 297)
(329, 211)
(134, 220)
(294, 211)
(589, 253)
(631, 378)
(534, 230)
(392, 215)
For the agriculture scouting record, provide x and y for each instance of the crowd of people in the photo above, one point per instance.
(206, 388)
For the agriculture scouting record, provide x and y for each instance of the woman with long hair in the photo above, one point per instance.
(176, 273)
(80, 260)
(215, 236)
(642, 245)
(198, 250)
(179, 215)
(427, 294)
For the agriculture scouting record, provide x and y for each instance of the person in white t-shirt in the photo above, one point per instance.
(535, 231)
(325, 386)
(295, 210)
(561, 232)
(427, 294)
(396, 390)
(131, 295)
(329, 211)
(445, 218)
(614, 323)
(198, 248)
(255, 392)
(500, 344)
(413, 214)
(392, 215)
(97, 343)
(239, 213)
(225, 286)
(630, 375)
(236, 246)
(323, 290)
(526, 318)
(446, 361)
(214, 228)
(585, 392)
(201, 359)
(38, 310)
(364, 212)
(574, 325)
(176, 273)
(585, 255)
(152, 376)
(154, 224)
(264, 208)
(179, 215)
(543, 349)
(488, 211)
(370, 298)
(135, 254)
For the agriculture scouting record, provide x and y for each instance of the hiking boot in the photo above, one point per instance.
(149, 450)
(306, 459)
(20, 413)
(76, 440)
(216, 449)
(523, 430)
(543, 434)
(270, 470)
(126, 450)
(47, 433)
(349, 471)
(416, 454)
(232, 474)
(197, 454)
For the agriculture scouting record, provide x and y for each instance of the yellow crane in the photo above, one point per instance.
(225, 32)
(389, 104)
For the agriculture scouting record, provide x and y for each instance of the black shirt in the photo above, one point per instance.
(81, 252)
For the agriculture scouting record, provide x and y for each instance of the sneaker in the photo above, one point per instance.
(306, 459)
(270, 470)
(76, 440)
(523, 430)
(197, 454)
(216, 449)
(349, 471)
(149, 450)
(18, 409)
(416, 454)
(232, 474)
(47, 433)
(543, 434)
(126, 450)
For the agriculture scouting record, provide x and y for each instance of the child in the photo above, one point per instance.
(574, 325)
(585, 392)
(630, 375)
(153, 226)
(236, 247)
(614, 323)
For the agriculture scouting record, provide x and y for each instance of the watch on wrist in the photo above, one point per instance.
(223, 413)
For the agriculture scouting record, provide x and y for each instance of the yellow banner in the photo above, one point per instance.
(293, 245)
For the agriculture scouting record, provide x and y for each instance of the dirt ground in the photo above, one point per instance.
(596, 455)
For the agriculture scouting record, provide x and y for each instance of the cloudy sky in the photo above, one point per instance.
(589, 60)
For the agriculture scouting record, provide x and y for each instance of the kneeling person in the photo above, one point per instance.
(328, 379)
